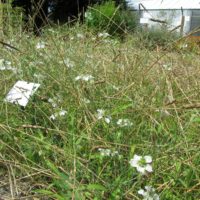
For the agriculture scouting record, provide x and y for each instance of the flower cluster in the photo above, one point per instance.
(108, 152)
(148, 193)
(143, 166)
(57, 114)
(103, 35)
(54, 101)
(167, 67)
(84, 78)
(6, 65)
(101, 115)
(124, 122)
(88, 16)
(40, 45)
(68, 63)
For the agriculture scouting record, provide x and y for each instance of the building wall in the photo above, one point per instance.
(195, 21)
(172, 17)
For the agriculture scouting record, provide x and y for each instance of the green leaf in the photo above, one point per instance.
(50, 194)
(120, 109)
(197, 119)
(96, 187)
(46, 192)
(132, 151)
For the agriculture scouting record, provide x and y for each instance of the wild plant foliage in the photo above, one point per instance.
(39, 11)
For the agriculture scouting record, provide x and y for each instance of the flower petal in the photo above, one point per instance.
(134, 162)
(137, 158)
(148, 159)
(108, 119)
(100, 113)
(156, 197)
(148, 168)
(141, 169)
(141, 192)
(148, 188)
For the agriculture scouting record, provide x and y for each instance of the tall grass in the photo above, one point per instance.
(158, 92)
(11, 20)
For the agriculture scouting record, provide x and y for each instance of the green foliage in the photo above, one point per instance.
(11, 19)
(62, 158)
(153, 38)
(107, 17)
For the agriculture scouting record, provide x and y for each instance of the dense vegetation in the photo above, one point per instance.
(39, 12)
(112, 115)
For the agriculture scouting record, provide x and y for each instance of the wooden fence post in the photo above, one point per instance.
(182, 25)
(182, 22)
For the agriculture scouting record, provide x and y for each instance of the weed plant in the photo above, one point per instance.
(10, 19)
(110, 18)
(121, 101)
(153, 38)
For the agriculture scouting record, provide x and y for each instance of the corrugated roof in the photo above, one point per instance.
(165, 4)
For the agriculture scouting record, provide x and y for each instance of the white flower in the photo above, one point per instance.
(51, 30)
(108, 152)
(115, 87)
(78, 78)
(101, 115)
(53, 117)
(88, 15)
(53, 102)
(148, 159)
(87, 77)
(109, 41)
(36, 63)
(104, 152)
(163, 112)
(124, 122)
(80, 36)
(84, 78)
(167, 67)
(6, 65)
(103, 35)
(68, 63)
(184, 46)
(85, 100)
(60, 113)
(89, 56)
(107, 119)
(148, 193)
(142, 164)
(40, 45)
